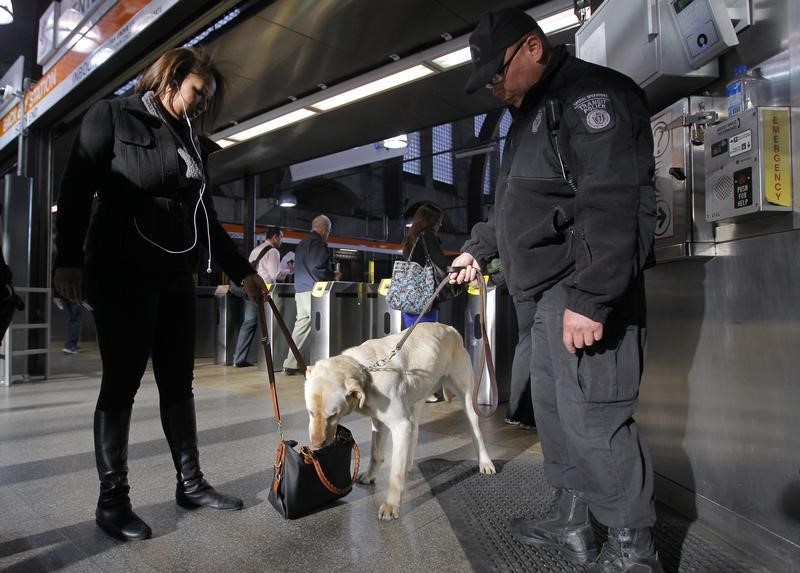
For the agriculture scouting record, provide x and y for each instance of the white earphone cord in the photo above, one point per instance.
(199, 202)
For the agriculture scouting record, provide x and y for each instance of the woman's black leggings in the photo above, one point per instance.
(141, 316)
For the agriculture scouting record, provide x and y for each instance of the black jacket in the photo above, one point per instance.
(542, 230)
(129, 159)
(312, 262)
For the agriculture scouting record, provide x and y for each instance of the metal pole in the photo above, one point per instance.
(23, 131)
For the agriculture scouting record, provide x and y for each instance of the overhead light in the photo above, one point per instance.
(344, 250)
(398, 73)
(273, 124)
(223, 143)
(559, 21)
(54, 208)
(453, 59)
(374, 87)
(396, 142)
(287, 200)
(6, 12)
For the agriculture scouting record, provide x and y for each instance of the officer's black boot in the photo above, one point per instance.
(628, 551)
(180, 428)
(566, 528)
(114, 513)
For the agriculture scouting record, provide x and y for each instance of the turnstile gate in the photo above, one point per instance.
(336, 318)
(387, 320)
(502, 332)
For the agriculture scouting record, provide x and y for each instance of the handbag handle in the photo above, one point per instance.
(310, 458)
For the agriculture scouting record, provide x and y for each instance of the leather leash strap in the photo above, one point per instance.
(305, 451)
(486, 359)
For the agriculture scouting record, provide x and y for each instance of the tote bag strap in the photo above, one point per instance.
(310, 458)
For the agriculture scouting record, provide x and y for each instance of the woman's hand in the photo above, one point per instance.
(470, 272)
(255, 288)
(68, 283)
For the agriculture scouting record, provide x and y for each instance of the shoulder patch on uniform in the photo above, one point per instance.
(595, 111)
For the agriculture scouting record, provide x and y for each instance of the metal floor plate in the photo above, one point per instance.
(481, 507)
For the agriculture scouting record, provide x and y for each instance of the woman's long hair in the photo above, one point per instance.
(173, 66)
(427, 218)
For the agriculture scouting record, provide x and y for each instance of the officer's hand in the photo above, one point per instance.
(68, 282)
(255, 288)
(470, 272)
(580, 331)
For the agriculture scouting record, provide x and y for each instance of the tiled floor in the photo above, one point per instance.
(48, 483)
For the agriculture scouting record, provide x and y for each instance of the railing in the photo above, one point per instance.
(7, 351)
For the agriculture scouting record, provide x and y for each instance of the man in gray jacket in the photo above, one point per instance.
(573, 224)
(312, 264)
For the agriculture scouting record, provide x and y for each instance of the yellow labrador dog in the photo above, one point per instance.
(393, 396)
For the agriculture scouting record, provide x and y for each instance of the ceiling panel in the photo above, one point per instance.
(285, 48)
(428, 102)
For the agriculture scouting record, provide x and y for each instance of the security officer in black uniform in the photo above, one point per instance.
(573, 224)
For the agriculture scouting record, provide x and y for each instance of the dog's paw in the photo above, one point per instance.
(388, 511)
(487, 468)
(365, 479)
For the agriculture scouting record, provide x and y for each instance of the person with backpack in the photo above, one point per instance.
(265, 259)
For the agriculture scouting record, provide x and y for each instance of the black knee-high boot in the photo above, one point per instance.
(180, 428)
(114, 512)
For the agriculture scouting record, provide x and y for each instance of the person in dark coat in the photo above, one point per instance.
(132, 258)
(573, 224)
(313, 264)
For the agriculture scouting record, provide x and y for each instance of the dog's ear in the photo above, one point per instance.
(355, 390)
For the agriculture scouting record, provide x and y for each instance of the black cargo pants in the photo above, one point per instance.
(584, 405)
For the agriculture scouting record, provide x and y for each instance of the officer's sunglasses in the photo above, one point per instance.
(500, 74)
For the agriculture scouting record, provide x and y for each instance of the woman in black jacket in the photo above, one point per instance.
(133, 256)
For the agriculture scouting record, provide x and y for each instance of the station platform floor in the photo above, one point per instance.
(48, 489)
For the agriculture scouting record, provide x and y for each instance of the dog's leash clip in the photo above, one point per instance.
(383, 361)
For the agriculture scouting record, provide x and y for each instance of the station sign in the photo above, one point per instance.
(92, 45)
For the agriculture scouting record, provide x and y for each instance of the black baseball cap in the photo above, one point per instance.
(495, 32)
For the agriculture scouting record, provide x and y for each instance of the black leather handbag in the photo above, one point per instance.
(305, 480)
